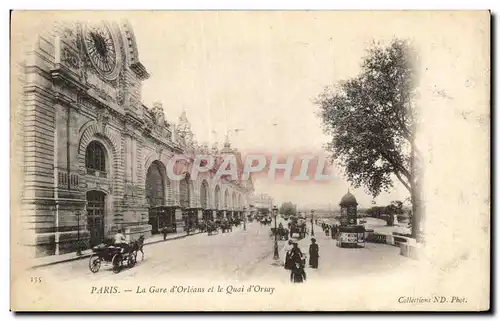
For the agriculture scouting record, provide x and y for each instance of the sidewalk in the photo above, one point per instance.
(55, 259)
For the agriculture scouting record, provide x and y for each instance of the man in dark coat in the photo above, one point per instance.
(298, 275)
(296, 254)
(296, 264)
(313, 254)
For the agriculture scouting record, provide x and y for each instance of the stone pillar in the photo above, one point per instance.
(200, 214)
(178, 220)
(224, 214)
(214, 214)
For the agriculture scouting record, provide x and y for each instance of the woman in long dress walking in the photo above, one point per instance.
(313, 254)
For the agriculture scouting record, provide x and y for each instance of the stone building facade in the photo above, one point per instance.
(94, 156)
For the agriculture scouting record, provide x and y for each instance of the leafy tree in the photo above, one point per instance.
(372, 120)
(288, 209)
(396, 207)
(376, 211)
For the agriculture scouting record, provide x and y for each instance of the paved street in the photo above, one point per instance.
(238, 256)
(232, 255)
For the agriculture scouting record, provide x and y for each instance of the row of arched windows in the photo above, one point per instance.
(95, 160)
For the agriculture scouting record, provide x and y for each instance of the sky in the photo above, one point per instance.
(257, 72)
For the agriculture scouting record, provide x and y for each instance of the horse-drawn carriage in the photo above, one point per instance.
(226, 226)
(212, 227)
(115, 255)
(281, 231)
(265, 221)
(298, 226)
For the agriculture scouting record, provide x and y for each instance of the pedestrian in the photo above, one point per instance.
(296, 254)
(164, 230)
(313, 254)
(298, 275)
(286, 255)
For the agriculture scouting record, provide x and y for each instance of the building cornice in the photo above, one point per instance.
(140, 71)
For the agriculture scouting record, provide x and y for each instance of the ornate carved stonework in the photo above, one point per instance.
(102, 120)
(70, 58)
(128, 131)
(148, 125)
(215, 149)
(159, 114)
(129, 189)
(70, 35)
(133, 103)
(159, 150)
(122, 89)
(184, 133)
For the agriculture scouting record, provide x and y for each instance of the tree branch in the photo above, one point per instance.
(405, 184)
(396, 165)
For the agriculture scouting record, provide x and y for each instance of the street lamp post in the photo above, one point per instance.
(275, 213)
(244, 218)
(78, 249)
(312, 222)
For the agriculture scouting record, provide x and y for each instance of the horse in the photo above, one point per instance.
(212, 228)
(202, 227)
(137, 246)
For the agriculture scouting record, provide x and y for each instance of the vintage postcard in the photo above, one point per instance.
(250, 161)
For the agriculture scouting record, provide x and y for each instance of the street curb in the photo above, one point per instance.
(89, 254)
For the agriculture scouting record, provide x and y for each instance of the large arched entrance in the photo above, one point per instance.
(96, 165)
(233, 205)
(241, 206)
(155, 197)
(155, 185)
(217, 197)
(96, 209)
(226, 202)
(185, 195)
(188, 214)
(217, 201)
(207, 215)
(204, 195)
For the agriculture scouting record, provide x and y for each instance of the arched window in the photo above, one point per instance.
(95, 158)
(204, 195)
(185, 197)
(217, 197)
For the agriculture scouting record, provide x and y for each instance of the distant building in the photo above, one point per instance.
(262, 202)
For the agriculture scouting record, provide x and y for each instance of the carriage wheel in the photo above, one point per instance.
(117, 263)
(131, 260)
(94, 263)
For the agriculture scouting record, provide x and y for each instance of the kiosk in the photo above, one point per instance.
(349, 233)
(351, 236)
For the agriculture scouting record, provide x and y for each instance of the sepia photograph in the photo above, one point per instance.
(250, 161)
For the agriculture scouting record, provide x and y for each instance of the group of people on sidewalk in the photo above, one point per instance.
(295, 260)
